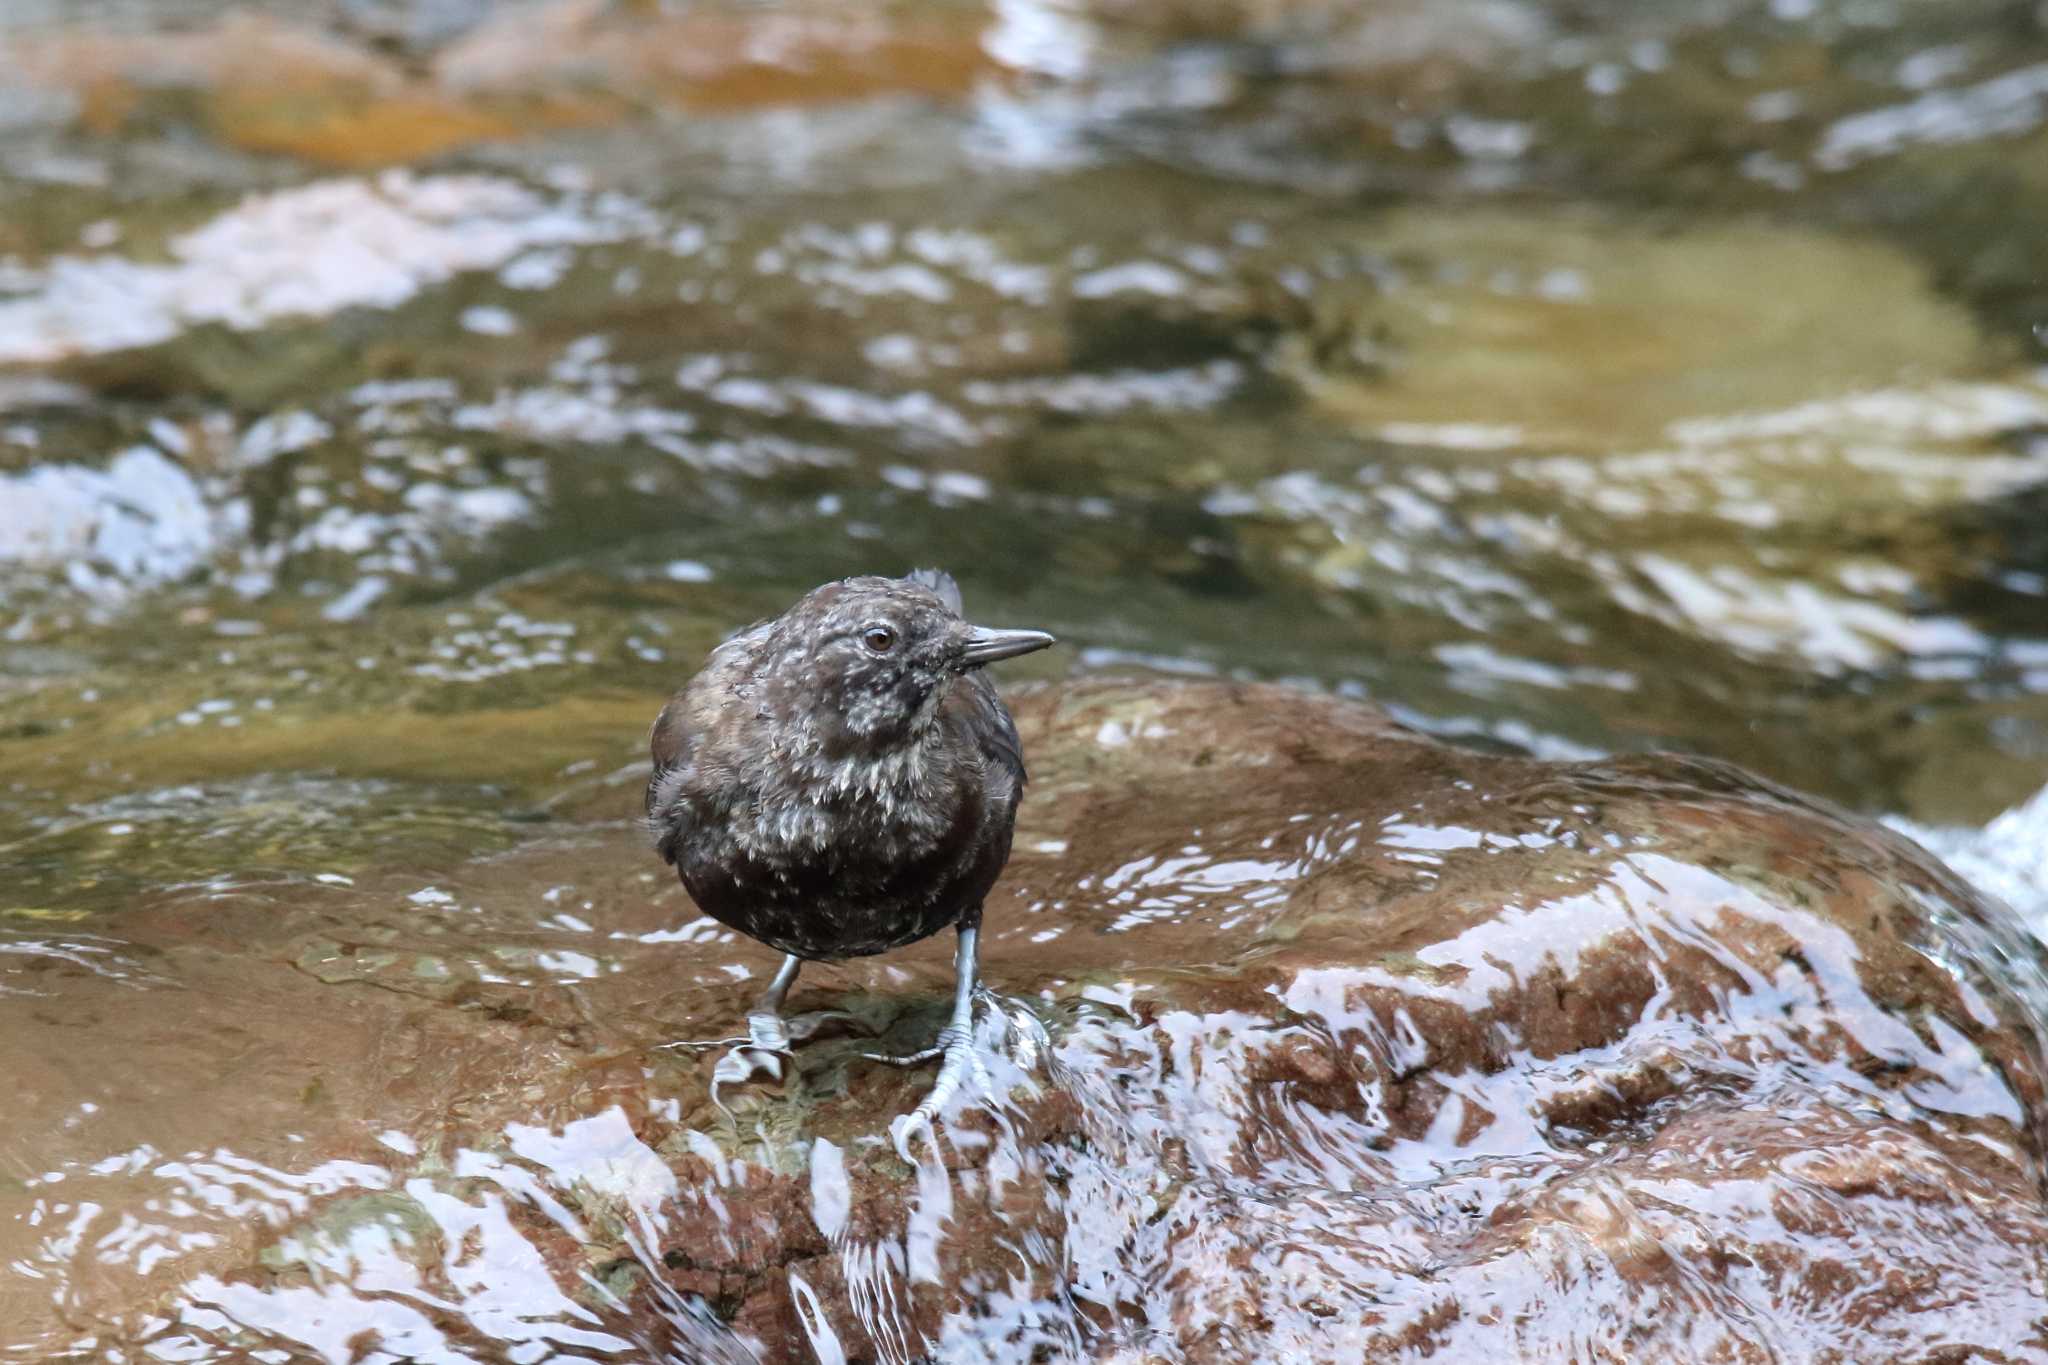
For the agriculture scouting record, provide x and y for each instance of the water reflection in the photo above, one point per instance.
(27, 961)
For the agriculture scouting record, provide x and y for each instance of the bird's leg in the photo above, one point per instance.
(955, 1043)
(766, 1029)
(956, 1039)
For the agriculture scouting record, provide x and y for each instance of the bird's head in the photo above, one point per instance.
(881, 654)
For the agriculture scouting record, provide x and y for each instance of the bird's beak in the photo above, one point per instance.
(985, 645)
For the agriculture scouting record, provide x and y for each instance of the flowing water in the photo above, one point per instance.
(397, 397)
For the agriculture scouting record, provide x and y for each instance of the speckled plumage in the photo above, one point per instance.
(832, 800)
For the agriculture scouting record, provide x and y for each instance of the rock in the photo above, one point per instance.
(1583, 333)
(1317, 1040)
(328, 94)
(718, 59)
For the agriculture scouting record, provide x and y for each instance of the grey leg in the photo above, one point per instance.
(765, 1027)
(956, 1039)
(766, 1030)
(769, 1029)
(955, 1044)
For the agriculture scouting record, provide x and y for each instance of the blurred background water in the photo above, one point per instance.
(398, 396)
(1569, 378)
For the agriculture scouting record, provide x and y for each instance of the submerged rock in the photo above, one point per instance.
(1316, 1040)
(1585, 334)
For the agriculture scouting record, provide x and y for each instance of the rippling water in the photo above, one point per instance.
(395, 400)
(1364, 1064)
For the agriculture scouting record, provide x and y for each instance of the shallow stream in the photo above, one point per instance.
(397, 397)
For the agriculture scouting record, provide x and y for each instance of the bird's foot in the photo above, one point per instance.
(768, 1032)
(763, 1049)
(961, 1062)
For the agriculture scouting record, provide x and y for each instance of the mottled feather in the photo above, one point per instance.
(831, 798)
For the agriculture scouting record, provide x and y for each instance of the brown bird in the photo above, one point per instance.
(843, 780)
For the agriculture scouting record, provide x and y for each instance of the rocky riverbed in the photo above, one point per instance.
(1313, 1039)
(398, 397)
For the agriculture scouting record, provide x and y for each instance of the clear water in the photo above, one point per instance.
(391, 411)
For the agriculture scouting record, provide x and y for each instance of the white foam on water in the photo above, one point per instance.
(2007, 858)
(305, 252)
(143, 519)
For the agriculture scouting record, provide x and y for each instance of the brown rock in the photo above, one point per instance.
(1324, 1042)
(320, 94)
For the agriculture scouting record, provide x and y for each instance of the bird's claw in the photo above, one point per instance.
(918, 1058)
(900, 1130)
(962, 1062)
(704, 1044)
(769, 1032)
(804, 1026)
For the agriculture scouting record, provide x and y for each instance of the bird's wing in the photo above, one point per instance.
(941, 584)
(669, 744)
(985, 713)
(674, 740)
(993, 728)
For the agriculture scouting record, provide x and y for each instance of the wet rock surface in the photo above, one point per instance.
(1314, 1039)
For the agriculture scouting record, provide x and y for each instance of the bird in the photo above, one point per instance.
(842, 780)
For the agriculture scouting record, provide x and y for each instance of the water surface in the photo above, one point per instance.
(395, 401)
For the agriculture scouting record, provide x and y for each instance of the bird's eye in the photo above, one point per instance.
(880, 639)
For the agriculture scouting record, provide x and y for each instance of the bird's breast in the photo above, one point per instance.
(841, 857)
(892, 808)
